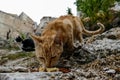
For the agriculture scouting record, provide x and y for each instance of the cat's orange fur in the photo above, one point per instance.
(62, 31)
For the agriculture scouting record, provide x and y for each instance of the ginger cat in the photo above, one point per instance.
(62, 31)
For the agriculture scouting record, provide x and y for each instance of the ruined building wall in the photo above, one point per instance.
(13, 24)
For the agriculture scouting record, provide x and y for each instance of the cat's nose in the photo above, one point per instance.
(48, 65)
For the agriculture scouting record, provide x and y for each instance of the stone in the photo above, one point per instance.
(43, 22)
(4, 69)
(117, 77)
(110, 71)
(12, 25)
(29, 76)
(113, 33)
(2, 43)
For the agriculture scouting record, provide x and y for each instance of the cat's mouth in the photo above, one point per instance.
(54, 69)
(61, 68)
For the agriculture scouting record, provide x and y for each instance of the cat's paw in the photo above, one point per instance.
(48, 69)
(41, 69)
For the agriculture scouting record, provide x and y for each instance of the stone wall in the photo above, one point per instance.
(12, 24)
(43, 23)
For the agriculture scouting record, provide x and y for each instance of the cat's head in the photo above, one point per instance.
(48, 50)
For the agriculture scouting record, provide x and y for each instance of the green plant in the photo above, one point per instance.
(97, 11)
(69, 12)
(22, 35)
(18, 55)
(93, 6)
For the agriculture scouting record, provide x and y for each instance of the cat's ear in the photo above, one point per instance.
(36, 38)
(58, 39)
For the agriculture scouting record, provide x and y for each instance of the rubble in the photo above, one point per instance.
(98, 60)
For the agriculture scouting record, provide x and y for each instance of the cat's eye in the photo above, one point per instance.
(53, 57)
(57, 45)
(42, 58)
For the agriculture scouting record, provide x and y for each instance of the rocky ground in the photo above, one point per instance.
(98, 59)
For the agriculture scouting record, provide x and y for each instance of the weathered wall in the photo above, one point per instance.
(43, 23)
(15, 24)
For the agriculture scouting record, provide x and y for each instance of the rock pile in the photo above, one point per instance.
(98, 60)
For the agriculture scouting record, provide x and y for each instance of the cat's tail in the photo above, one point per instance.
(100, 30)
